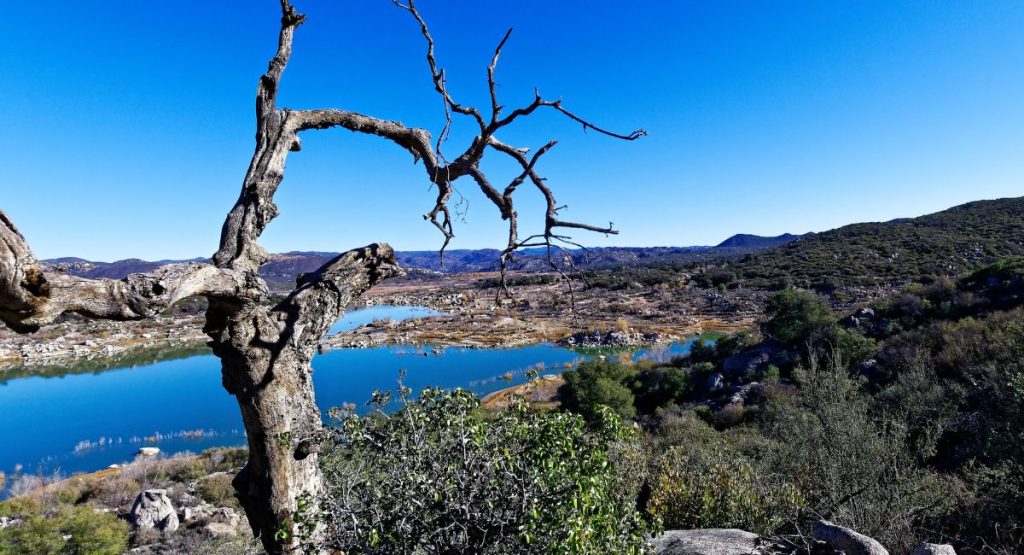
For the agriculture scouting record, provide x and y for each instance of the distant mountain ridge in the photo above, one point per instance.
(284, 267)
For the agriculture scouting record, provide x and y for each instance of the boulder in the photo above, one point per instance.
(149, 451)
(933, 549)
(846, 540)
(746, 394)
(748, 362)
(711, 541)
(7, 522)
(865, 314)
(153, 509)
(208, 513)
(220, 529)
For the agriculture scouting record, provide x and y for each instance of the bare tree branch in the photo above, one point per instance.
(437, 74)
(29, 298)
(416, 141)
(322, 296)
(468, 162)
(495, 107)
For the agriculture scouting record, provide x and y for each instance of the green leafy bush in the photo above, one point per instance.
(595, 384)
(797, 316)
(660, 386)
(43, 532)
(439, 477)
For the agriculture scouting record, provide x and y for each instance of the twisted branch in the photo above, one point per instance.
(29, 298)
(468, 162)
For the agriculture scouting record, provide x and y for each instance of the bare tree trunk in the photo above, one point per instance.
(274, 391)
(265, 356)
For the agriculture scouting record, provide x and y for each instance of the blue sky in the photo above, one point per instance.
(128, 126)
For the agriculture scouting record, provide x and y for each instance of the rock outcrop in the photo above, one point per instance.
(846, 540)
(614, 339)
(711, 541)
(933, 549)
(153, 509)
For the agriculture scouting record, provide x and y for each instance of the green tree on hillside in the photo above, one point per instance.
(796, 316)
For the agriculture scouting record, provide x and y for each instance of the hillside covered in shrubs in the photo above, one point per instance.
(944, 244)
(903, 420)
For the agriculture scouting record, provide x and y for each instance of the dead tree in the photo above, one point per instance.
(265, 351)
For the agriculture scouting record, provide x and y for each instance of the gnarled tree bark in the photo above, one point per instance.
(265, 351)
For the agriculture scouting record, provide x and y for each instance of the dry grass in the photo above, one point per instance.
(541, 394)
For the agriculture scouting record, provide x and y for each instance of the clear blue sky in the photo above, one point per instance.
(128, 126)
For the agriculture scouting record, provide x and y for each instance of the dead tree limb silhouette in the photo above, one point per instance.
(265, 351)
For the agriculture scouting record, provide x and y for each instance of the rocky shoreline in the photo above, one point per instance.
(78, 342)
(471, 317)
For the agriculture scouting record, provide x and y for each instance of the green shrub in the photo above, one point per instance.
(855, 347)
(438, 477)
(43, 533)
(217, 490)
(187, 470)
(660, 386)
(797, 316)
(595, 384)
(714, 489)
(851, 466)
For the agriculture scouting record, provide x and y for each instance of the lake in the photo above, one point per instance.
(85, 422)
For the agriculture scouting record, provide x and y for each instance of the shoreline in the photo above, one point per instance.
(471, 318)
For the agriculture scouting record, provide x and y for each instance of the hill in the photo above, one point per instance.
(747, 241)
(948, 243)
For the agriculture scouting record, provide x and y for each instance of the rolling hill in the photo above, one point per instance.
(948, 243)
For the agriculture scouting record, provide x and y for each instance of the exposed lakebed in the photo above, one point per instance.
(87, 421)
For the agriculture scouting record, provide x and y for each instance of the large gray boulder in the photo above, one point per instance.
(933, 549)
(747, 362)
(153, 509)
(710, 541)
(848, 541)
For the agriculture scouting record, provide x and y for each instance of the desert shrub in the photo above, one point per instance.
(699, 488)
(856, 348)
(992, 518)
(852, 467)
(595, 384)
(224, 459)
(438, 477)
(217, 490)
(796, 316)
(679, 426)
(729, 415)
(919, 399)
(187, 469)
(196, 540)
(87, 532)
(114, 491)
(660, 386)
(21, 506)
(621, 325)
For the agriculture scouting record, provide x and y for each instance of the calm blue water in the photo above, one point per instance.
(44, 419)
